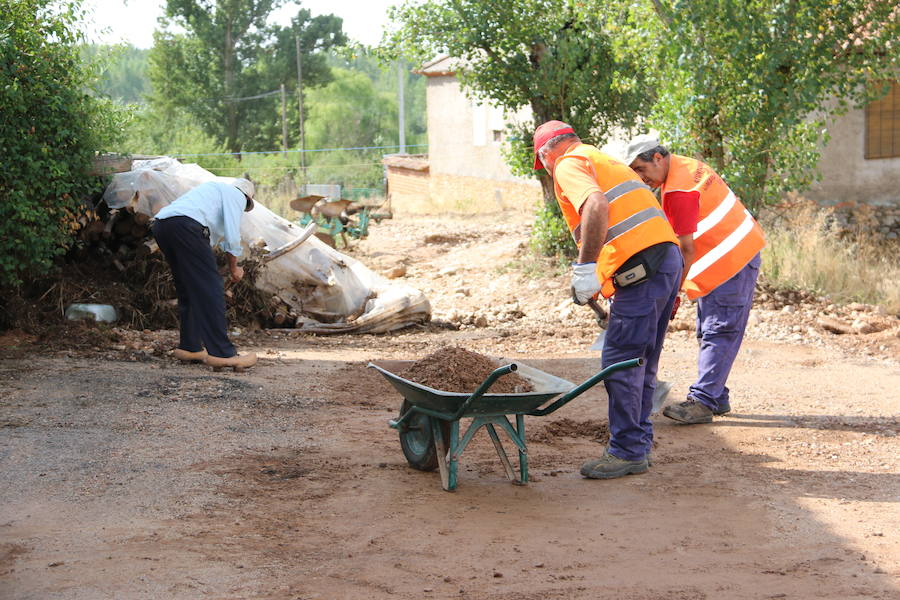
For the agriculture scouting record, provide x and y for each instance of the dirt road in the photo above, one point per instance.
(124, 478)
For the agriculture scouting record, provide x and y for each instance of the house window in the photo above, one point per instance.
(883, 125)
(498, 135)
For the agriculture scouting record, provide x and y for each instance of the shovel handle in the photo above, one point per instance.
(602, 315)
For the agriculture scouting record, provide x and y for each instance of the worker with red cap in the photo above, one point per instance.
(627, 251)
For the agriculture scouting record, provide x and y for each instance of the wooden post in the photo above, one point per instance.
(283, 121)
(300, 105)
(401, 77)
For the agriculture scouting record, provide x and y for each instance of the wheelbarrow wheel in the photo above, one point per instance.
(417, 440)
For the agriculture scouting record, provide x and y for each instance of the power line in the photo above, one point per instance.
(265, 95)
(298, 151)
(283, 168)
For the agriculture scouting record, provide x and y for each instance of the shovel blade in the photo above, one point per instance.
(598, 343)
(659, 395)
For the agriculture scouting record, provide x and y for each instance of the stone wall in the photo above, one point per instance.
(408, 189)
(883, 220)
(462, 194)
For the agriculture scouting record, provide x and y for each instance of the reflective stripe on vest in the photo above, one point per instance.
(635, 219)
(632, 222)
(624, 188)
(727, 236)
(613, 194)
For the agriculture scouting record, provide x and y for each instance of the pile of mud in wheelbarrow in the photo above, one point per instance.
(435, 399)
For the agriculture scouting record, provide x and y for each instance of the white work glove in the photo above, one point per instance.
(585, 283)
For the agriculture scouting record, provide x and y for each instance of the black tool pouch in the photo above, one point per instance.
(641, 267)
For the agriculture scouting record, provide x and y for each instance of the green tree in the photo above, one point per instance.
(124, 71)
(52, 124)
(227, 54)
(558, 57)
(350, 112)
(359, 109)
(746, 85)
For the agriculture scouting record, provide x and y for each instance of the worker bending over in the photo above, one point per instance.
(720, 242)
(626, 249)
(186, 230)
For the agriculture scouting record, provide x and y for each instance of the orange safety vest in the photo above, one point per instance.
(727, 236)
(636, 220)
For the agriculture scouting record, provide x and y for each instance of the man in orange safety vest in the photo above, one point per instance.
(720, 242)
(627, 250)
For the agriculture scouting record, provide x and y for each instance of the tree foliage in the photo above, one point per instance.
(359, 109)
(747, 85)
(227, 53)
(557, 57)
(51, 127)
(123, 71)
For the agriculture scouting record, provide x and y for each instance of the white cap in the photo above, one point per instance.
(246, 186)
(639, 145)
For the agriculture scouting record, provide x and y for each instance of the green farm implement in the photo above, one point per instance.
(429, 421)
(336, 218)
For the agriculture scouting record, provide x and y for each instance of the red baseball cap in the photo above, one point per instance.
(547, 131)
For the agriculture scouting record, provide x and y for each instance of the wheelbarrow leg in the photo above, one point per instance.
(453, 458)
(517, 435)
(523, 457)
(510, 472)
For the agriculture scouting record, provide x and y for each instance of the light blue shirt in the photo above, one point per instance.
(216, 205)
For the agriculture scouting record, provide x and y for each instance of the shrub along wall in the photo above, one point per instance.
(51, 127)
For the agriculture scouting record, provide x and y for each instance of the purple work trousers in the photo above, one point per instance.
(638, 320)
(721, 321)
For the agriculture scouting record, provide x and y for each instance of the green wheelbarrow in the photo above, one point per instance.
(429, 421)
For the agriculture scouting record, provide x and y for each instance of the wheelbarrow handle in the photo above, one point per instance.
(483, 388)
(580, 389)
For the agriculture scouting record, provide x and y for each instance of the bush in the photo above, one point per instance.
(51, 127)
(550, 236)
(805, 251)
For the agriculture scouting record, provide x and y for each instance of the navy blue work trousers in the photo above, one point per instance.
(199, 287)
(721, 320)
(638, 320)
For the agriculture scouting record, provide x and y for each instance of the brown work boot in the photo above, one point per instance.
(610, 467)
(188, 356)
(238, 362)
(689, 412)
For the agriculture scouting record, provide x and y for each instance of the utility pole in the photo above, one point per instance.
(401, 79)
(300, 104)
(283, 121)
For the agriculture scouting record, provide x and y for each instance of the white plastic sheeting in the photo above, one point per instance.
(332, 292)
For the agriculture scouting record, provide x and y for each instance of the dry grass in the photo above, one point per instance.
(805, 251)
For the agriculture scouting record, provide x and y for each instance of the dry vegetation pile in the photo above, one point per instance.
(453, 369)
(808, 250)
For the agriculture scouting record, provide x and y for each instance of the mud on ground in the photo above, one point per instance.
(126, 475)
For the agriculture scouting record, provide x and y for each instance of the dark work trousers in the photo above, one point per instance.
(721, 320)
(638, 320)
(201, 294)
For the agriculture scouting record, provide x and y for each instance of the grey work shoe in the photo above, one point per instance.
(723, 409)
(689, 412)
(610, 467)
